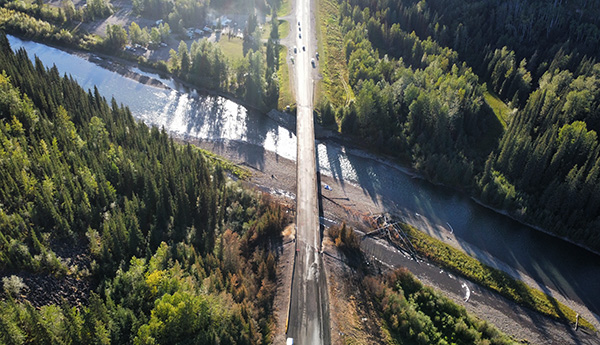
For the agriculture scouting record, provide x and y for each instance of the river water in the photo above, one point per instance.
(487, 235)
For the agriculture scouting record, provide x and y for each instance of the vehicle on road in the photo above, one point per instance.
(290, 341)
(299, 35)
(317, 55)
(295, 49)
(312, 61)
(303, 48)
(298, 23)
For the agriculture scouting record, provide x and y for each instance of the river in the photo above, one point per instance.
(487, 235)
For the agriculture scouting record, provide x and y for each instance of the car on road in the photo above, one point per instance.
(295, 49)
(299, 35)
(312, 61)
(299, 29)
(298, 23)
(303, 48)
(317, 55)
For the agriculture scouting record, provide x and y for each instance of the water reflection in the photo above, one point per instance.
(485, 234)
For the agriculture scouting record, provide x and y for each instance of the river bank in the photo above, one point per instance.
(359, 185)
(165, 80)
(322, 133)
(348, 203)
(280, 183)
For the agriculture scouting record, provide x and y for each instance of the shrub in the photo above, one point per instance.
(13, 285)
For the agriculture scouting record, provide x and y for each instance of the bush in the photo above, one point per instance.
(345, 238)
(417, 314)
(13, 285)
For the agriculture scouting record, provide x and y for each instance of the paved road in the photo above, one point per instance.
(309, 311)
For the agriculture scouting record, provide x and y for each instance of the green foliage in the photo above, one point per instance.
(96, 9)
(419, 100)
(546, 168)
(251, 35)
(494, 279)
(179, 14)
(415, 314)
(73, 165)
(37, 9)
(332, 61)
(413, 98)
(249, 78)
(116, 37)
(24, 24)
(138, 35)
(203, 65)
(12, 285)
(508, 80)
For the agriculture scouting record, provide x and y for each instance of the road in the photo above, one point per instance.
(308, 323)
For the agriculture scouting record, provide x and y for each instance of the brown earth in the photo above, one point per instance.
(351, 204)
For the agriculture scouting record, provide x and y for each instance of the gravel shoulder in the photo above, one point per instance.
(351, 204)
(346, 202)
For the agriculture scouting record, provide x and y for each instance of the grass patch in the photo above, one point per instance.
(285, 8)
(334, 84)
(501, 110)
(227, 165)
(283, 74)
(284, 29)
(231, 48)
(492, 278)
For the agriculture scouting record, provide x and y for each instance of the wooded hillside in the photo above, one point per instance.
(422, 73)
(173, 249)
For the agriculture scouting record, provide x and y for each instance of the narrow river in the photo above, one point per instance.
(487, 235)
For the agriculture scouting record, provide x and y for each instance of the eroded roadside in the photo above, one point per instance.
(278, 175)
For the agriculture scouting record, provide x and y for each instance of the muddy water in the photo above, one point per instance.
(489, 236)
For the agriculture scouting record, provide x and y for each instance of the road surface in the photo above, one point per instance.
(308, 323)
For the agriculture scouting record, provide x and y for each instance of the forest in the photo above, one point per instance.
(200, 63)
(412, 313)
(145, 240)
(416, 314)
(420, 75)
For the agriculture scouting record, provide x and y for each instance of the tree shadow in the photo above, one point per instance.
(200, 116)
(483, 233)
